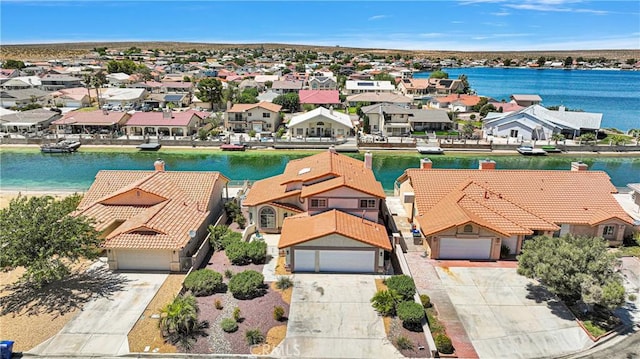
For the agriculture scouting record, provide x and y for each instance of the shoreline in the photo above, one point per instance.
(7, 195)
(383, 151)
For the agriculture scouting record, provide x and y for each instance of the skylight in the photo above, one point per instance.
(304, 170)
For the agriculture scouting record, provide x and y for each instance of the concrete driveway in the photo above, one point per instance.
(102, 326)
(509, 316)
(331, 317)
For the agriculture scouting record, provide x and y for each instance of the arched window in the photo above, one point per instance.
(468, 229)
(267, 218)
(320, 123)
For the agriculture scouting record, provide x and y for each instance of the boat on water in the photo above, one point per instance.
(430, 150)
(152, 146)
(64, 146)
(530, 151)
(233, 147)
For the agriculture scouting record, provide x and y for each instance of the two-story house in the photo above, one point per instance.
(394, 120)
(471, 214)
(327, 208)
(260, 117)
(353, 87)
(57, 82)
(282, 87)
(322, 82)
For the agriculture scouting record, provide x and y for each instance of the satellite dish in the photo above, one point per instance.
(192, 233)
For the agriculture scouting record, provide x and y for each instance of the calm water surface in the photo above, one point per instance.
(615, 94)
(34, 170)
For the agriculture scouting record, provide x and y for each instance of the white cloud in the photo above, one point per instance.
(377, 17)
(501, 13)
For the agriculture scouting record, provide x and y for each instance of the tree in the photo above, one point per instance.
(289, 101)
(39, 234)
(439, 75)
(619, 139)
(557, 137)
(588, 137)
(179, 321)
(96, 81)
(385, 301)
(483, 101)
(467, 129)
(484, 110)
(384, 76)
(465, 83)
(13, 64)
(210, 90)
(574, 268)
(541, 61)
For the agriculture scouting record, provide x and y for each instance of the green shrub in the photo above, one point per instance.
(228, 273)
(284, 283)
(384, 302)
(632, 297)
(593, 328)
(203, 282)
(229, 238)
(232, 208)
(236, 314)
(411, 314)
(229, 325)
(240, 220)
(504, 251)
(434, 324)
(218, 304)
(256, 251)
(404, 343)
(254, 336)
(246, 285)
(278, 313)
(426, 301)
(403, 285)
(443, 344)
(237, 253)
(217, 233)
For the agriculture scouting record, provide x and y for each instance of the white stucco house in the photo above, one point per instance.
(320, 122)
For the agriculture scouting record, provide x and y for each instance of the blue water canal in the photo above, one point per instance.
(615, 94)
(30, 170)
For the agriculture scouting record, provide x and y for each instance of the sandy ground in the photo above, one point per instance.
(6, 196)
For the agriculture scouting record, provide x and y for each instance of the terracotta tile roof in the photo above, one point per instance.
(513, 201)
(467, 100)
(97, 117)
(242, 107)
(319, 97)
(149, 209)
(157, 118)
(317, 173)
(302, 228)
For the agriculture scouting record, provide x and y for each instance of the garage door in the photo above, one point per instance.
(347, 261)
(304, 260)
(143, 260)
(456, 248)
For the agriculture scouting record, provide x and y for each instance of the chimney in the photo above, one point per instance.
(159, 165)
(487, 165)
(368, 160)
(332, 149)
(331, 110)
(579, 166)
(425, 164)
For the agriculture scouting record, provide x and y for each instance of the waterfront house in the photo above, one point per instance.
(28, 122)
(353, 87)
(455, 102)
(526, 100)
(166, 123)
(539, 123)
(413, 87)
(470, 214)
(325, 98)
(320, 122)
(154, 220)
(394, 120)
(90, 122)
(260, 117)
(327, 208)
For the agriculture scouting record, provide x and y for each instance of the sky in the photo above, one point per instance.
(460, 25)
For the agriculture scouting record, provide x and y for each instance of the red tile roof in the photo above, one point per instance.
(319, 97)
(303, 228)
(158, 119)
(242, 107)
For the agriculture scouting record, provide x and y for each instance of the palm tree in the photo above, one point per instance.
(179, 321)
(385, 301)
(557, 137)
(588, 137)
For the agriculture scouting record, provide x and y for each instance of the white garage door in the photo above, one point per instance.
(456, 248)
(143, 260)
(347, 261)
(304, 260)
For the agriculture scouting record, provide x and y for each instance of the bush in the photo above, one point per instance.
(443, 344)
(203, 282)
(246, 285)
(256, 251)
(384, 302)
(254, 336)
(278, 313)
(228, 273)
(404, 343)
(217, 233)
(403, 285)
(240, 220)
(284, 283)
(237, 253)
(229, 325)
(426, 301)
(230, 237)
(411, 314)
(504, 251)
(218, 304)
(236, 314)
(632, 297)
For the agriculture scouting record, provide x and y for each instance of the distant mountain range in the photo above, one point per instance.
(79, 49)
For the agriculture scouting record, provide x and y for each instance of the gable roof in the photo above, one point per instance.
(512, 201)
(317, 173)
(303, 228)
(243, 107)
(319, 96)
(562, 118)
(328, 114)
(97, 117)
(149, 209)
(157, 118)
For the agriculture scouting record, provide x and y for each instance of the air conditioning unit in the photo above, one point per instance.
(408, 197)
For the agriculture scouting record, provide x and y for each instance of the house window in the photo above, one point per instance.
(367, 203)
(266, 115)
(468, 229)
(608, 231)
(249, 114)
(267, 218)
(513, 133)
(318, 203)
(299, 131)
